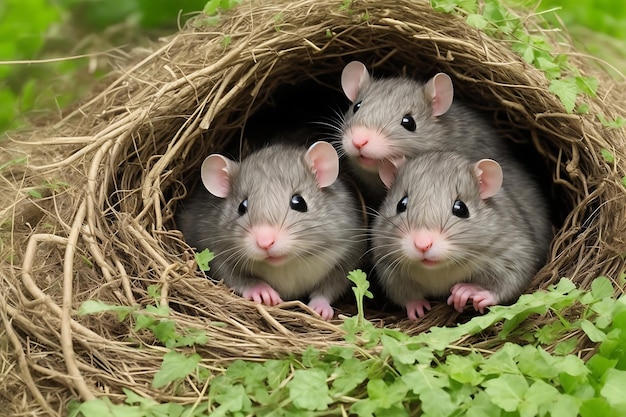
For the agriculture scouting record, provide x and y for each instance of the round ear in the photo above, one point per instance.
(440, 90)
(215, 173)
(323, 160)
(489, 175)
(353, 77)
(388, 170)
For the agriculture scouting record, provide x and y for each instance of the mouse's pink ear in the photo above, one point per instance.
(353, 77)
(323, 160)
(489, 175)
(216, 172)
(388, 169)
(440, 90)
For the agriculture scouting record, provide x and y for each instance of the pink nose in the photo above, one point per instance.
(359, 141)
(265, 236)
(423, 242)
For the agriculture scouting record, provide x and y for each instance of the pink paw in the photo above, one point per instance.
(462, 292)
(322, 307)
(415, 309)
(262, 293)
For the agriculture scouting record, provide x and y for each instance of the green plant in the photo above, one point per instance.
(427, 372)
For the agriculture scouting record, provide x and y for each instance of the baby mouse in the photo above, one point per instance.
(453, 226)
(281, 223)
(394, 117)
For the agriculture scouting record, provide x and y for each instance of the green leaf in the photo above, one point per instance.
(387, 396)
(203, 258)
(477, 21)
(602, 287)
(308, 389)
(502, 361)
(614, 385)
(507, 391)
(406, 354)
(566, 90)
(617, 123)
(425, 378)
(154, 291)
(587, 85)
(16, 161)
(540, 395)
(445, 6)
(566, 346)
(233, 399)
(192, 337)
(592, 332)
(565, 406)
(350, 374)
(571, 365)
(438, 403)
(95, 306)
(34, 193)
(464, 368)
(165, 332)
(481, 406)
(175, 366)
(607, 155)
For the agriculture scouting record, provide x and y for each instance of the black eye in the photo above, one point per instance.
(357, 106)
(243, 207)
(408, 122)
(298, 204)
(401, 207)
(459, 209)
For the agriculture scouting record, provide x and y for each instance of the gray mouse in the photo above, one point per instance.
(399, 117)
(456, 227)
(281, 224)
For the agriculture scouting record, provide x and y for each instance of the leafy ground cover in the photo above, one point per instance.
(427, 374)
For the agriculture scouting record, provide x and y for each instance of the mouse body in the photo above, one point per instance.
(391, 118)
(281, 224)
(456, 227)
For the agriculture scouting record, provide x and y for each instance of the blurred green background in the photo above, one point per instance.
(49, 29)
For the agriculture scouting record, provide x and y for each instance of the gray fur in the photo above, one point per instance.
(383, 104)
(500, 246)
(328, 238)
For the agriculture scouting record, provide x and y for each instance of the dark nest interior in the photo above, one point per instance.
(113, 170)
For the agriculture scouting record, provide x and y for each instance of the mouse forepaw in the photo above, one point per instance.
(417, 308)
(262, 293)
(461, 293)
(322, 306)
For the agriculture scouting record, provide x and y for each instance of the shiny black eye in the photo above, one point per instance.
(357, 106)
(459, 209)
(408, 122)
(298, 204)
(401, 207)
(243, 207)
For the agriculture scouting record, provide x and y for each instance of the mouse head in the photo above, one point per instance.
(217, 171)
(488, 174)
(439, 89)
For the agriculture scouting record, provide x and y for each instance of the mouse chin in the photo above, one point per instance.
(431, 263)
(276, 260)
(369, 164)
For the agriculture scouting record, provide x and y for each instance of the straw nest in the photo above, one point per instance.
(112, 172)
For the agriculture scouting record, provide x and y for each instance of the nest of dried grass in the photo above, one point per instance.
(116, 167)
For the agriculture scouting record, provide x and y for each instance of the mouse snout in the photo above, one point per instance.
(265, 236)
(361, 136)
(423, 240)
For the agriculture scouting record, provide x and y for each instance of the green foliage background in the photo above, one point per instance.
(46, 29)
(49, 29)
